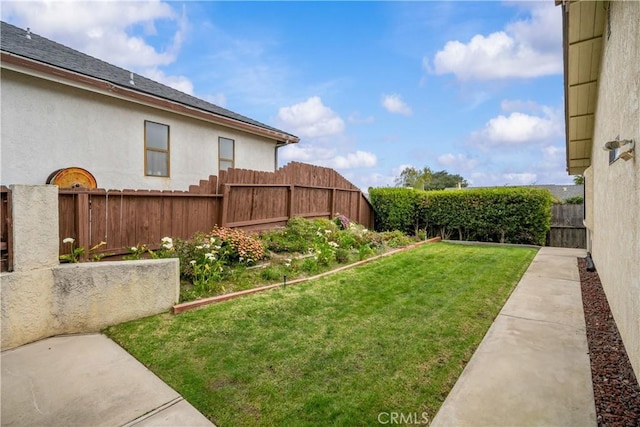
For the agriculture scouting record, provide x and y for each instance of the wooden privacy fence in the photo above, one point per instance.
(567, 227)
(239, 198)
(6, 219)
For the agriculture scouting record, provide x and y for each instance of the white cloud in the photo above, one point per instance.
(311, 119)
(552, 153)
(457, 162)
(104, 30)
(394, 104)
(217, 98)
(374, 179)
(357, 159)
(519, 128)
(524, 49)
(180, 83)
(327, 157)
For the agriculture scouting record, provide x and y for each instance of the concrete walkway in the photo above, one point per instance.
(532, 367)
(86, 380)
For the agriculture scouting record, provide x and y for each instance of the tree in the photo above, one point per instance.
(443, 179)
(412, 177)
(578, 180)
(426, 179)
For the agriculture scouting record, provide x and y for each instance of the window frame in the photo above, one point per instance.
(147, 149)
(226, 159)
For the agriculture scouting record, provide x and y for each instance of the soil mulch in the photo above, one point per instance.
(615, 388)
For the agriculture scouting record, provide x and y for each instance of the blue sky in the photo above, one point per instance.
(471, 87)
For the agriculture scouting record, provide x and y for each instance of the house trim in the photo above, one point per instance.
(583, 29)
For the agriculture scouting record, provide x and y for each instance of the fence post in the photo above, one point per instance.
(332, 208)
(290, 201)
(225, 204)
(82, 223)
(360, 196)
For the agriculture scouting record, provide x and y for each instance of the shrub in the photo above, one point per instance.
(513, 214)
(342, 255)
(395, 208)
(576, 200)
(309, 265)
(365, 251)
(238, 246)
(342, 221)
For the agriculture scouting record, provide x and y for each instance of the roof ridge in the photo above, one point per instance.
(14, 40)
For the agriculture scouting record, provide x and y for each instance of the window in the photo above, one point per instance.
(156, 149)
(226, 150)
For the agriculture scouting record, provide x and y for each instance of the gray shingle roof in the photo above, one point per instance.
(560, 191)
(14, 40)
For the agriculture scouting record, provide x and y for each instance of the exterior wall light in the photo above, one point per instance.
(615, 146)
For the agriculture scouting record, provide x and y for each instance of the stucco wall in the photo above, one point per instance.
(86, 297)
(48, 126)
(615, 226)
(42, 298)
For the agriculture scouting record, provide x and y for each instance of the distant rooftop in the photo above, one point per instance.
(561, 192)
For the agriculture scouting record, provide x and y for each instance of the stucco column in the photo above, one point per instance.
(35, 226)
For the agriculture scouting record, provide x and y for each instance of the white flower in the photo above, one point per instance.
(206, 246)
(167, 242)
(69, 240)
(327, 231)
(333, 244)
(199, 247)
(210, 256)
(133, 248)
(192, 262)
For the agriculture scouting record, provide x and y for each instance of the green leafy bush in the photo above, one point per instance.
(508, 215)
(576, 200)
(395, 208)
(342, 255)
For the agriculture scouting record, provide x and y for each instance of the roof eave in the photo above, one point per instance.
(583, 27)
(39, 69)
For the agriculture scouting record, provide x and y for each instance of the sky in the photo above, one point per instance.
(370, 87)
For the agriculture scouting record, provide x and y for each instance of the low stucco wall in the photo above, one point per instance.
(85, 297)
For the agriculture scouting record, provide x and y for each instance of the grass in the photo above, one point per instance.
(389, 336)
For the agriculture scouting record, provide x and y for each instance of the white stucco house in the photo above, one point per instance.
(63, 109)
(602, 105)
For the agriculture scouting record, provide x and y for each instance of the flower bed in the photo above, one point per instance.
(226, 260)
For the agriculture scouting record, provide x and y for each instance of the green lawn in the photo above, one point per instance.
(389, 336)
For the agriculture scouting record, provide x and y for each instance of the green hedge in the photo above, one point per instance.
(507, 215)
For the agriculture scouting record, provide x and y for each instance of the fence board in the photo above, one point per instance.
(567, 228)
(237, 197)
